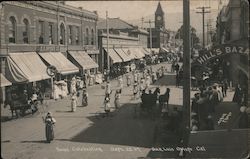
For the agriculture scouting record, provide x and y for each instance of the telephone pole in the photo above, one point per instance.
(203, 12)
(142, 21)
(107, 27)
(150, 33)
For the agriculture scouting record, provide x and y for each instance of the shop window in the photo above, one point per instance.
(26, 31)
(77, 35)
(41, 32)
(12, 30)
(87, 37)
(92, 37)
(62, 34)
(70, 34)
(51, 40)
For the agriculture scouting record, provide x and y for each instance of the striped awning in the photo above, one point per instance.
(83, 59)
(62, 64)
(25, 67)
(114, 56)
(122, 54)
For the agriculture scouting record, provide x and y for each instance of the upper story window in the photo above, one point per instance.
(12, 30)
(92, 37)
(77, 35)
(87, 37)
(62, 34)
(70, 34)
(41, 32)
(26, 31)
(51, 40)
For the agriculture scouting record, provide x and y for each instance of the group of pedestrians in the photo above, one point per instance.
(79, 94)
(204, 106)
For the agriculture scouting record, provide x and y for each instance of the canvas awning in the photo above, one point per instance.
(139, 52)
(123, 55)
(4, 82)
(62, 64)
(25, 67)
(129, 52)
(114, 56)
(165, 49)
(146, 51)
(83, 59)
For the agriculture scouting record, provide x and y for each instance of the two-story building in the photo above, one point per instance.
(38, 34)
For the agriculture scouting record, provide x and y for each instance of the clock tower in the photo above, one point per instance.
(159, 17)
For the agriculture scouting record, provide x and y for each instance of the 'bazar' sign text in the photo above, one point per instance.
(220, 50)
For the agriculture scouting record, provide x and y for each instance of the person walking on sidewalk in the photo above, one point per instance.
(107, 105)
(108, 88)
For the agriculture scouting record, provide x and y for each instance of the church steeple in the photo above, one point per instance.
(159, 17)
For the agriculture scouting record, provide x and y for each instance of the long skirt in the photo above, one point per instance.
(73, 105)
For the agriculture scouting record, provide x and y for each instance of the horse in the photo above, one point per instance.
(164, 98)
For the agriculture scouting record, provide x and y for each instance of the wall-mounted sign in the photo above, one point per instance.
(219, 51)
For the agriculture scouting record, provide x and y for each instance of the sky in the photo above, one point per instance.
(133, 11)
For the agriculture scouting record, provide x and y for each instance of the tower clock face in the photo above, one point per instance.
(158, 17)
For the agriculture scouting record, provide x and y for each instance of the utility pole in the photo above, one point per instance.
(203, 12)
(208, 31)
(150, 33)
(142, 21)
(186, 63)
(108, 64)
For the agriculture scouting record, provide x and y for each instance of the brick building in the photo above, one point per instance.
(50, 29)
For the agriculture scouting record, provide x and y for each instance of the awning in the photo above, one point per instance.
(155, 50)
(4, 82)
(146, 51)
(83, 59)
(114, 56)
(129, 52)
(165, 49)
(25, 67)
(140, 52)
(62, 64)
(124, 56)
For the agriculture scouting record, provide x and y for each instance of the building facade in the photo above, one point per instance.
(233, 28)
(46, 27)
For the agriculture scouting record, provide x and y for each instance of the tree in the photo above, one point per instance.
(194, 37)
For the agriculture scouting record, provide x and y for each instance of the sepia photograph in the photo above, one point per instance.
(110, 79)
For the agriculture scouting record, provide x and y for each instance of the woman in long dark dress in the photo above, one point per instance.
(238, 95)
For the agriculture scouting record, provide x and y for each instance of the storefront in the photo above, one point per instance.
(25, 71)
(64, 67)
(86, 65)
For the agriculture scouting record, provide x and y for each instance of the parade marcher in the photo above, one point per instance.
(120, 83)
(85, 98)
(55, 91)
(73, 102)
(128, 80)
(73, 85)
(135, 91)
(147, 82)
(117, 99)
(107, 105)
(108, 88)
